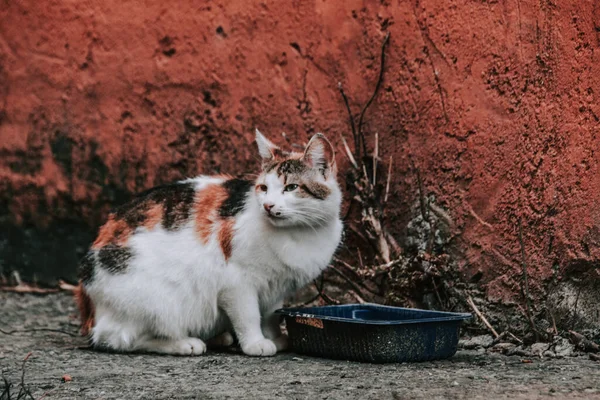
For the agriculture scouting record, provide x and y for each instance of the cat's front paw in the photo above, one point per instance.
(262, 347)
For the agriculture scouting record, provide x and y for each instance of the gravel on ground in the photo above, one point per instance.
(470, 374)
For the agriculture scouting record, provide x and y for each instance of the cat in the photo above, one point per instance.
(194, 262)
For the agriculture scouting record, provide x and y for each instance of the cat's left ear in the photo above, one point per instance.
(267, 150)
(319, 154)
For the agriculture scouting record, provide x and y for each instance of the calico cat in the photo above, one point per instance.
(190, 263)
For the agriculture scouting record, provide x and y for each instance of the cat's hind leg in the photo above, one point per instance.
(188, 346)
(112, 333)
(129, 335)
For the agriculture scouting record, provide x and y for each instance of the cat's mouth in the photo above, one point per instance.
(275, 216)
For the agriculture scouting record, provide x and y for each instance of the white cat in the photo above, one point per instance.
(199, 259)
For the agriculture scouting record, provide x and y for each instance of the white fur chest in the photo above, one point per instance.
(279, 261)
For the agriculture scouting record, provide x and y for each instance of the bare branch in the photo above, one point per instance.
(357, 297)
(350, 282)
(37, 330)
(360, 135)
(422, 202)
(351, 118)
(481, 317)
(375, 156)
(526, 283)
(584, 343)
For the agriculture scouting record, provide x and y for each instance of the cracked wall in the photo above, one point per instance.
(496, 103)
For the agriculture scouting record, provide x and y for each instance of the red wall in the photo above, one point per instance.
(496, 103)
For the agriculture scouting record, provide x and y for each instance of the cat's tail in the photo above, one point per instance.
(86, 309)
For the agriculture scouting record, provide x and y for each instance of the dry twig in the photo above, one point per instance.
(348, 152)
(481, 316)
(377, 86)
(502, 336)
(387, 183)
(526, 284)
(375, 157)
(25, 288)
(348, 280)
(37, 330)
(351, 118)
(584, 343)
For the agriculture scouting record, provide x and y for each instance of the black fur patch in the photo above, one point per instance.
(177, 200)
(86, 268)
(237, 190)
(114, 259)
(178, 205)
(291, 167)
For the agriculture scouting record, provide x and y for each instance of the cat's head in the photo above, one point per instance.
(296, 189)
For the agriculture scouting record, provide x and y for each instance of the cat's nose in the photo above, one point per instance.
(268, 206)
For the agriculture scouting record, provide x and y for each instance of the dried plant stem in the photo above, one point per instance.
(377, 86)
(357, 297)
(322, 293)
(350, 282)
(526, 283)
(360, 260)
(349, 153)
(422, 202)
(501, 337)
(375, 156)
(37, 330)
(351, 118)
(24, 391)
(359, 281)
(584, 343)
(481, 316)
(389, 178)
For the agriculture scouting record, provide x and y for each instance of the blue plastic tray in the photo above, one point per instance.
(373, 333)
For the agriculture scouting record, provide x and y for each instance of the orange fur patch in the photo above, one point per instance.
(153, 216)
(206, 206)
(226, 237)
(114, 231)
(86, 309)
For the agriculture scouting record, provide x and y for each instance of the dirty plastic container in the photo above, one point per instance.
(373, 333)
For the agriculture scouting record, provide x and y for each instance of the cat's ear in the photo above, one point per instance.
(267, 150)
(319, 154)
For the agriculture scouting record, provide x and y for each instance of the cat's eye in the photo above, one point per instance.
(290, 188)
(262, 188)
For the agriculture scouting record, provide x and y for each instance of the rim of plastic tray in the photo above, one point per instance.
(449, 316)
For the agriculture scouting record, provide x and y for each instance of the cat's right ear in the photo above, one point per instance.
(267, 150)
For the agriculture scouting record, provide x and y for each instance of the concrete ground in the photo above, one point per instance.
(95, 375)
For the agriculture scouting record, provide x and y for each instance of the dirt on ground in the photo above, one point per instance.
(95, 375)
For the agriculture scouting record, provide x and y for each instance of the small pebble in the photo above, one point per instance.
(538, 349)
(549, 354)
